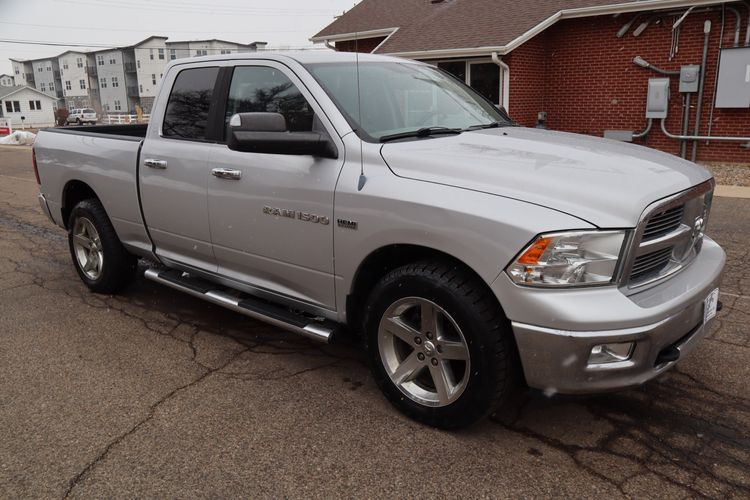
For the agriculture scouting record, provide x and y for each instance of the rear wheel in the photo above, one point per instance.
(102, 262)
(439, 345)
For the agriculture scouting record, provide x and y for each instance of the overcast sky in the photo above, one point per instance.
(282, 23)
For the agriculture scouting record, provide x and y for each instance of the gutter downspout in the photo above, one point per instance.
(701, 87)
(506, 80)
(328, 44)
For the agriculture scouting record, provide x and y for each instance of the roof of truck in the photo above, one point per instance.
(301, 56)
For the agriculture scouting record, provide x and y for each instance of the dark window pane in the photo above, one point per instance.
(268, 90)
(189, 102)
(455, 68)
(485, 78)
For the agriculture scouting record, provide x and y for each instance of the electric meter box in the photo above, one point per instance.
(733, 90)
(690, 76)
(657, 102)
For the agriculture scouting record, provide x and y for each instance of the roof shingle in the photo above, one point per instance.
(449, 24)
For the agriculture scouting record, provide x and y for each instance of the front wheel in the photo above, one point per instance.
(439, 345)
(102, 262)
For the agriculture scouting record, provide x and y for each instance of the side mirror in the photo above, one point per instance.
(267, 133)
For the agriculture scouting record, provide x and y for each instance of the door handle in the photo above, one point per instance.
(227, 173)
(160, 164)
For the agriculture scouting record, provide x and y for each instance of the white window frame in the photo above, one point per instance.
(504, 80)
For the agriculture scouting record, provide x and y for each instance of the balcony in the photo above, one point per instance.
(30, 78)
(130, 67)
(57, 75)
(91, 70)
(59, 94)
(132, 91)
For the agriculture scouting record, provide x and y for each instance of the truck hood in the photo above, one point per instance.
(606, 183)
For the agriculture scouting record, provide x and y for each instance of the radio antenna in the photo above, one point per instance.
(362, 178)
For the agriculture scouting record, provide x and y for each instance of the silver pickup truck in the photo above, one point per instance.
(326, 192)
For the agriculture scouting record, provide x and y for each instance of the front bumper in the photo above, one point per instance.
(555, 330)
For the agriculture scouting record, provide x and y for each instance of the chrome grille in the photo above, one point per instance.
(669, 236)
(664, 222)
(651, 263)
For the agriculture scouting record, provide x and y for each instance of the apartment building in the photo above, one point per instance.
(118, 80)
(23, 73)
(7, 80)
(79, 81)
(47, 77)
(196, 48)
(150, 59)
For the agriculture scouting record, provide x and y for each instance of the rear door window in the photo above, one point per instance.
(189, 103)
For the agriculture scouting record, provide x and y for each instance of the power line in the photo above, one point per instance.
(55, 44)
(193, 9)
(88, 28)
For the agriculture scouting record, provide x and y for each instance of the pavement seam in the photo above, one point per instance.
(149, 416)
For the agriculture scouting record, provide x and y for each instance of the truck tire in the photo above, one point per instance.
(452, 368)
(100, 259)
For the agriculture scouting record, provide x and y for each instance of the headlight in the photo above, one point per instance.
(576, 258)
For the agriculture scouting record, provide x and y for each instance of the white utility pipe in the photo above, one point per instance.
(700, 137)
(506, 80)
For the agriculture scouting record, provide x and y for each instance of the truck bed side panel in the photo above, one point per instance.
(108, 165)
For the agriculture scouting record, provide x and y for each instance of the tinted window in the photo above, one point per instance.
(261, 89)
(189, 102)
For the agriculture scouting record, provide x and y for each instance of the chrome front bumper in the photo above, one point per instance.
(659, 320)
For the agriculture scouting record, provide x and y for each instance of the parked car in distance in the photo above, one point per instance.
(81, 116)
(327, 192)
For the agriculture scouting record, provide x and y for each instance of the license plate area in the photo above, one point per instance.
(710, 306)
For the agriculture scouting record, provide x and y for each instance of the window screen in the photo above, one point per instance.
(189, 102)
(262, 89)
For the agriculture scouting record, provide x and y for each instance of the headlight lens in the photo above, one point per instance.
(576, 258)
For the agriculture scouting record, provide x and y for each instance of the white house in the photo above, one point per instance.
(35, 107)
(7, 80)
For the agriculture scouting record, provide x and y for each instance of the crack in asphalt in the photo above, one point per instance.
(81, 476)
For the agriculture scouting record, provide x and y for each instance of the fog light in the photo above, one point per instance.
(611, 353)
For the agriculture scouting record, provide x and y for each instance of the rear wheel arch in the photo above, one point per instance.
(73, 193)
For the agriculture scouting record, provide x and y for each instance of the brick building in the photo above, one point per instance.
(573, 60)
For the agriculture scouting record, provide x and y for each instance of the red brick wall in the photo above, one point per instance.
(364, 45)
(527, 80)
(591, 84)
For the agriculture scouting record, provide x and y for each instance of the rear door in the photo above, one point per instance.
(173, 168)
(272, 223)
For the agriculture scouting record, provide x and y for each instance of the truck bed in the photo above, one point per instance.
(127, 132)
(105, 159)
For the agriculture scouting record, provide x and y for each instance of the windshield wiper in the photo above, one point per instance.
(483, 126)
(422, 132)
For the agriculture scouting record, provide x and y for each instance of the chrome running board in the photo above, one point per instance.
(320, 330)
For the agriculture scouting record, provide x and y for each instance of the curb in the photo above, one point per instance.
(732, 192)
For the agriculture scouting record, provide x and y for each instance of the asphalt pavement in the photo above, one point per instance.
(156, 394)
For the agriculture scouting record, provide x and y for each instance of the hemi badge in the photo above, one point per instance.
(347, 224)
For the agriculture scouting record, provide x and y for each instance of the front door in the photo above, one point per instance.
(272, 220)
(174, 172)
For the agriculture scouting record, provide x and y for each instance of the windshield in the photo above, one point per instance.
(87, 110)
(403, 97)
